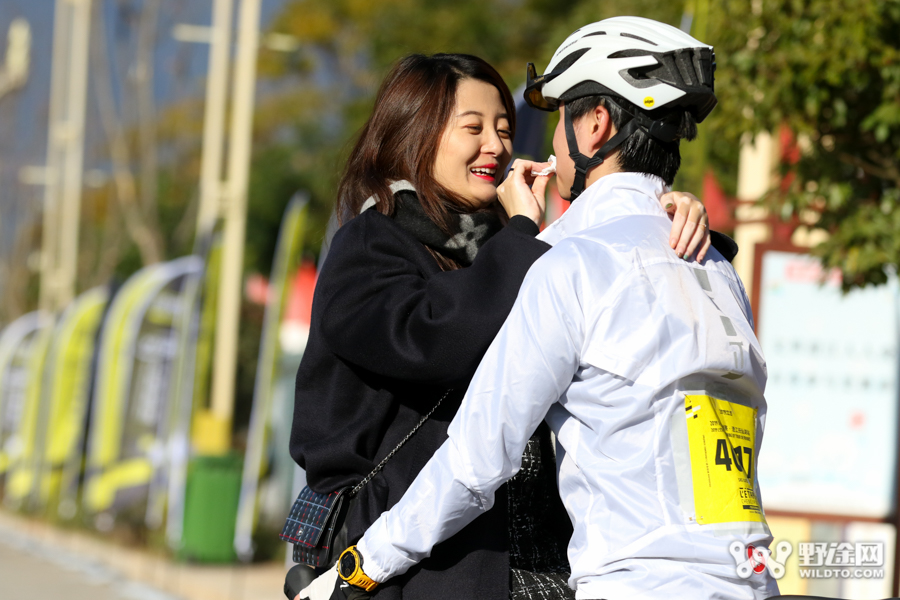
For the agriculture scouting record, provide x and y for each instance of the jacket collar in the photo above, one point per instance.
(612, 196)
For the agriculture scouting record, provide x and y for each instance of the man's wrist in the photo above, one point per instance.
(350, 569)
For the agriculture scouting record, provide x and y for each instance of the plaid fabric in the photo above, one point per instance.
(312, 557)
(539, 527)
(527, 585)
(314, 522)
(308, 517)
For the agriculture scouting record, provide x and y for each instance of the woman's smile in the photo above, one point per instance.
(486, 172)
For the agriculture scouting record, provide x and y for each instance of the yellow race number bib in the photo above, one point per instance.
(722, 441)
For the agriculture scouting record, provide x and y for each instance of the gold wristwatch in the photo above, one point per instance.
(350, 570)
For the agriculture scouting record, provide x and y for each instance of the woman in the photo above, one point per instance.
(413, 291)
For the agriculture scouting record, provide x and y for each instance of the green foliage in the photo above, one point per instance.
(308, 160)
(829, 70)
(273, 183)
(348, 46)
(369, 36)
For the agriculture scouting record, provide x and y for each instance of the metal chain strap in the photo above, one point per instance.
(390, 455)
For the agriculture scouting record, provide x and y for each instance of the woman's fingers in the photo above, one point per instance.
(691, 224)
(668, 201)
(701, 234)
(517, 194)
(539, 189)
(678, 220)
(539, 167)
(705, 247)
(521, 165)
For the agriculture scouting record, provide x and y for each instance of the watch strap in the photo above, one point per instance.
(358, 577)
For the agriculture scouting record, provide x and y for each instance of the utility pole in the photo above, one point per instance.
(14, 73)
(65, 153)
(235, 213)
(225, 197)
(211, 192)
(757, 170)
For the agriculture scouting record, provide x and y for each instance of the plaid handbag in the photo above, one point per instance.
(315, 525)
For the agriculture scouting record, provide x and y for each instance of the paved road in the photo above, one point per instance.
(32, 570)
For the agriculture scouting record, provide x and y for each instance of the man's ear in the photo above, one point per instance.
(601, 127)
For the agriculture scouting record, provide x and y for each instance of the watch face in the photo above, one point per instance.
(348, 564)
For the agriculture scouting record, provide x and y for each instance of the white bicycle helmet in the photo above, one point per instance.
(654, 66)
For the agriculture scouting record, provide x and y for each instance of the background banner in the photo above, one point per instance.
(15, 347)
(137, 348)
(287, 259)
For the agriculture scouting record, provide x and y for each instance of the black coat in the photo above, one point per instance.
(390, 334)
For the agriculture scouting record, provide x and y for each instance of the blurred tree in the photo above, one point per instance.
(348, 46)
(366, 37)
(136, 197)
(297, 146)
(829, 70)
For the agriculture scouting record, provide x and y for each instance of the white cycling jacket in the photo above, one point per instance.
(647, 369)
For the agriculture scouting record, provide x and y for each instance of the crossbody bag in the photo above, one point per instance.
(316, 525)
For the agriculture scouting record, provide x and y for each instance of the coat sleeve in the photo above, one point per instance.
(382, 311)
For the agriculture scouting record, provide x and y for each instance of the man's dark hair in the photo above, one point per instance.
(641, 153)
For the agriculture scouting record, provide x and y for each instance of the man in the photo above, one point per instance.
(644, 365)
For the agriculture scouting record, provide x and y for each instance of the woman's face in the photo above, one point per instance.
(476, 145)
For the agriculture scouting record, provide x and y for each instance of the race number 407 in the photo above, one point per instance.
(721, 441)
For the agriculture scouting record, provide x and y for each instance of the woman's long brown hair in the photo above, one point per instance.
(401, 138)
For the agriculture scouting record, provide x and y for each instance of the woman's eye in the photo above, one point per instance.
(474, 128)
(505, 132)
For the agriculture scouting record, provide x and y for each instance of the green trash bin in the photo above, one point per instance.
(210, 508)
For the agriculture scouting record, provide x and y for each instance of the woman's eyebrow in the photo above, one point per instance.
(480, 114)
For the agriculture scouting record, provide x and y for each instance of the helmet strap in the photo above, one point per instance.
(583, 164)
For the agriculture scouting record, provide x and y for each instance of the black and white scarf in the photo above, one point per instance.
(469, 231)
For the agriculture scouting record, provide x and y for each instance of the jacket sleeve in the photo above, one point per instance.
(528, 367)
(382, 312)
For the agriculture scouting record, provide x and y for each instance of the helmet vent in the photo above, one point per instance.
(636, 37)
(595, 33)
(684, 68)
(570, 60)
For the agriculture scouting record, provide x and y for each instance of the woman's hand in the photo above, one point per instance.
(690, 224)
(523, 193)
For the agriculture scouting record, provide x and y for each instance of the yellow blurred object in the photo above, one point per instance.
(101, 491)
(20, 484)
(794, 530)
(211, 435)
(29, 453)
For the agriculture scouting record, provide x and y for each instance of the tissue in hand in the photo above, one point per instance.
(549, 170)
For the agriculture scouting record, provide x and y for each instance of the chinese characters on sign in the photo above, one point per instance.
(840, 554)
(844, 560)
